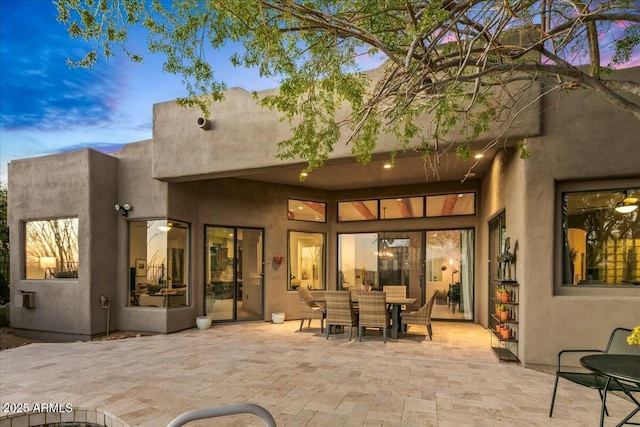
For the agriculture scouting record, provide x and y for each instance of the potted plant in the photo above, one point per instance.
(634, 337)
(506, 333)
(502, 294)
(504, 314)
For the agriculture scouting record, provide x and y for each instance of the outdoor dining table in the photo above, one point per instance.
(615, 367)
(395, 302)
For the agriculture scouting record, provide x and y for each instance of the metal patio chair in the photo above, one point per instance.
(617, 345)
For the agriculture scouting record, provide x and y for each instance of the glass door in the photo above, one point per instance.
(234, 273)
(449, 270)
(375, 260)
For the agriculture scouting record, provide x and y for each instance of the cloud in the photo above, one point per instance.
(38, 90)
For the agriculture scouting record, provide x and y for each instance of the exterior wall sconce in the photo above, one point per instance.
(204, 123)
(277, 259)
(123, 209)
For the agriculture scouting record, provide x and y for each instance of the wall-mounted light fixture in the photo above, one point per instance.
(123, 209)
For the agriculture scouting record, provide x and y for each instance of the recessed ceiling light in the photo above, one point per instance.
(479, 156)
(304, 174)
(300, 207)
(387, 166)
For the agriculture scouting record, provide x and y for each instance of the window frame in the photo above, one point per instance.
(24, 257)
(187, 263)
(562, 188)
(322, 271)
(289, 217)
(460, 193)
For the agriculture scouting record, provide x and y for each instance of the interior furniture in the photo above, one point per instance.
(623, 370)
(340, 311)
(162, 300)
(421, 316)
(617, 345)
(504, 336)
(309, 309)
(373, 313)
(454, 297)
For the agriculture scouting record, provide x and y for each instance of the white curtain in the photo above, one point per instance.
(466, 272)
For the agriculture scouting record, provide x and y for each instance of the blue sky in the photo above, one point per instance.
(47, 107)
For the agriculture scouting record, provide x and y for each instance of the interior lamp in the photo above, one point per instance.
(628, 205)
(624, 209)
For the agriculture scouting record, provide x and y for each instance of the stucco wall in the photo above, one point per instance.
(149, 200)
(244, 136)
(78, 184)
(584, 138)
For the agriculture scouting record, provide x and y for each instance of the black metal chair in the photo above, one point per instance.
(617, 345)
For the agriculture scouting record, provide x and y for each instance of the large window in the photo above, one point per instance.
(159, 263)
(601, 237)
(51, 249)
(306, 260)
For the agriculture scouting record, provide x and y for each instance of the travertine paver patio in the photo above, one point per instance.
(300, 377)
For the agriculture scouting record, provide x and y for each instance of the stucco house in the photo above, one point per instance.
(203, 219)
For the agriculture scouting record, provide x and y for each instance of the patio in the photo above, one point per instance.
(302, 378)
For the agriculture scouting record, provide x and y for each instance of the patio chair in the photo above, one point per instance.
(373, 313)
(340, 311)
(310, 310)
(420, 317)
(617, 345)
(396, 291)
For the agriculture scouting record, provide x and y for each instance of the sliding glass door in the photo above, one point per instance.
(449, 272)
(234, 273)
(375, 260)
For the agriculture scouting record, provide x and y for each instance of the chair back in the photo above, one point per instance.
(305, 295)
(372, 310)
(618, 343)
(429, 306)
(395, 291)
(308, 309)
(355, 291)
(339, 308)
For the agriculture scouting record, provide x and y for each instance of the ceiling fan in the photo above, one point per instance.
(628, 204)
